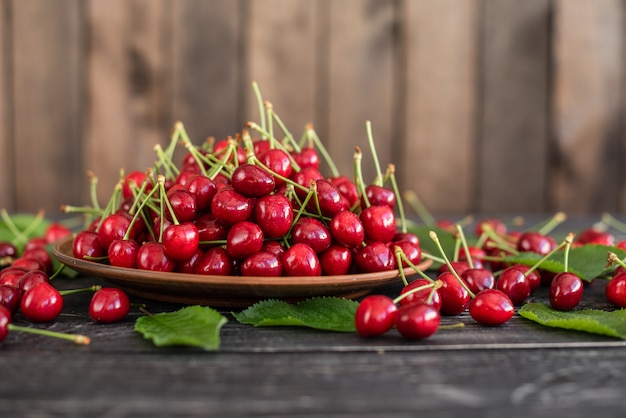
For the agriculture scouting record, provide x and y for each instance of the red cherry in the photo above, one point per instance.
(55, 232)
(496, 226)
(183, 204)
(123, 253)
(8, 250)
(421, 296)
(336, 260)
(274, 214)
(535, 242)
(454, 297)
(380, 196)
(203, 189)
(478, 279)
(534, 278)
(134, 179)
(42, 255)
(312, 232)
(243, 240)
(375, 257)
(566, 291)
(615, 290)
(231, 207)
(491, 307)
(5, 321)
(514, 284)
(329, 199)
(215, 261)
(210, 229)
(301, 260)
(11, 275)
(32, 278)
(278, 162)
(417, 321)
(112, 228)
(10, 297)
(379, 223)
(346, 229)
(375, 315)
(252, 181)
(109, 305)
(181, 241)
(307, 158)
(151, 256)
(41, 303)
(410, 250)
(262, 264)
(458, 266)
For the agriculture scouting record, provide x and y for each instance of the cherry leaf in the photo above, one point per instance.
(612, 324)
(196, 326)
(324, 313)
(587, 261)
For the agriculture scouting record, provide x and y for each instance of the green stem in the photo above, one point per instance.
(75, 338)
(468, 255)
(419, 208)
(358, 176)
(391, 169)
(435, 238)
(94, 288)
(259, 100)
(370, 140)
(312, 135)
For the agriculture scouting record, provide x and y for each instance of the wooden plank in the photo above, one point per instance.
(360, 73)
(129, 86)
(513, 140)
(207, 67)
(588, 57)
(7, 186)
(281, 56)
(439, 150)
(47, 72)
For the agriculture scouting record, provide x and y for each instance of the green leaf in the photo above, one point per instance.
(325, 313)
(196, 326)
(33, 225)
(612, 324)
(587, 262)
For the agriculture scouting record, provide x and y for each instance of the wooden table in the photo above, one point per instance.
(520, 369)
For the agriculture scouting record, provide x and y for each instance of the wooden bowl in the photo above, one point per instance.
(227, 291)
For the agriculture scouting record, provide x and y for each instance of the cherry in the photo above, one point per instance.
(243, 240)
(458, 266)
(426, 296)
(478, 279)
(492, 224)
(262, 264)
(491, 307)
(454, 297)
(230, 207)
(417, 321)
(252, 181)
(329, 199)
(180, 241)
(56, 231)
(301, 260)
(11, 276)
(36, 242)
(183, 204)
(312, 232)
(410, 250)
(112, 228)
(8, 250)
(380, 196)
(307, 158)
(109, 305)
(273, 247)
(535, 242)
(406, 236)
(42, 255)
(134, 179)
(379, 223)
(375, 257)
(32, 278)
(10, 297)
(274, 215)
(346, 229)
(41, 303)
(514, 284)
(28, 264)
(215, 261)
(375, 315)
(210, 229)
(566, 291)
(278, 162)
(533, 277)
(151, 256)
(348, 190)
(336, 260)
(123, 253)
(595, 236)
(203, 189)
(189, 265)
(615, 290)
(221, 147)
(304, 178)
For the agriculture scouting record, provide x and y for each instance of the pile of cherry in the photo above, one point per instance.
(26, 287)
(479, 281)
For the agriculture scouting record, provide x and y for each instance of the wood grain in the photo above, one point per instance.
(47, 70)
(207, 67)
(129, 87)
(441, 102)
(360, 66)
(7, 168)
(513, 135)
(587, 100)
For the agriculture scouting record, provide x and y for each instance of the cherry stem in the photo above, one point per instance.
(57, 272)
(21, 237)
(259, 100)
(370, 140)
(613, 222)
(451, 326)
(400, 257)
(613, 258)
(312, 136)
(568, 245)
(93, 288)
(75, 338)
(286, 131)
(419, 208)
(535, 266)
(391, 170)
(434, 258)
(435, 238)
(457, 248)
(171, 171)
(468, 255)
(278, 145)
(93, 190)
(358, 175)
(552, 223)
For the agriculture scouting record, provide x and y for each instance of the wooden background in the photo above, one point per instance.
(483, 105)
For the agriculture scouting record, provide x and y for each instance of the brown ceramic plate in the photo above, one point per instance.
(226, 291)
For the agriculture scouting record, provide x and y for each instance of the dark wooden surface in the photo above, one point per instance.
(519, 369)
